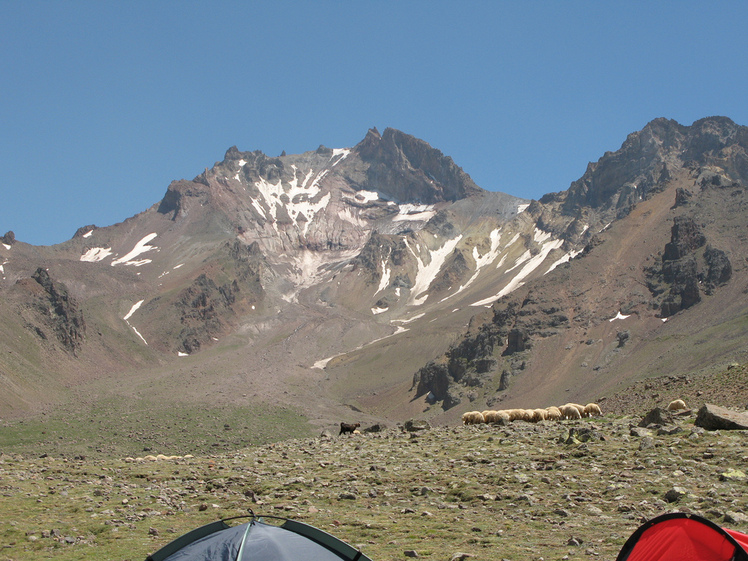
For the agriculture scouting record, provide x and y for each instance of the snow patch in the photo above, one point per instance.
(377, 311)
(96, 254)
(242, 163)
(322, 364)
(530, 264)
(427, 272)
(140, 248)
(180, 353)
(363, 196)
(341, 154)
(482, 260)
(410, 211)
(127, 317)
(368, 196)
(540, 236)
(522, 208)
(619, 315)
(138, 334)
(565, 259)
(347, 214)
(300, 198)
(384, 282)
(6, 246)
(133, 310)
(88, 234)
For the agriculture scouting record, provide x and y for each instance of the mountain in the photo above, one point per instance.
(380, 282)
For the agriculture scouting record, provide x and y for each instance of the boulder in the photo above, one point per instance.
(656, 416)
(713, 417)
(415, 425)
(379, 427)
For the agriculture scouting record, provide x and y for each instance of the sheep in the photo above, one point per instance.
(553, 414)
(569, 411)
(489, 416)
(513, 414)
(580, 408)
(539, 415)
(345, 427)
(677, 404)
(527, 415)
(473, 418)
(503, 415)
(592, 410)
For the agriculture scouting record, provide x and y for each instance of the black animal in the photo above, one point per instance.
(345, 427)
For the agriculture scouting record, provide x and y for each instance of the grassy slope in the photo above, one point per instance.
(517, 492)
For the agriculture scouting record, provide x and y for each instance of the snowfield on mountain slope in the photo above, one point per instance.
(427, 271)
(530, 262)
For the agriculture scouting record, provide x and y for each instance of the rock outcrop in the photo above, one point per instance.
(687, 267)
(713, 417)
(61, 310)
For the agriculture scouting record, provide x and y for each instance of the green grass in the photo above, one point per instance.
(136, 427)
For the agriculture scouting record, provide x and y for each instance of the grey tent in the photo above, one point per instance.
(257, 540)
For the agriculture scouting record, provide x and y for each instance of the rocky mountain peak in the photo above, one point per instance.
(409, 169)
(647, 159)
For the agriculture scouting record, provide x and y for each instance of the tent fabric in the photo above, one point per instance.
(257, 541)
(684, 537)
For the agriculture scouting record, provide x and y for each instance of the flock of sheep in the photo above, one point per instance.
(568, 411)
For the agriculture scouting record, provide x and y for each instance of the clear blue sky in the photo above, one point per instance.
(102, 104)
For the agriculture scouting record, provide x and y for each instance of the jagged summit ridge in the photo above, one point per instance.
(618, 180)
(345, 270)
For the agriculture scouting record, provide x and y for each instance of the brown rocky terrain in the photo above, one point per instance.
(647, 296)
(565, 490)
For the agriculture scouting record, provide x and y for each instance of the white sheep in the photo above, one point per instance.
(515, 414)
(473, 418)
(592, 410)
(553, 413)
(503, 415)
(539, 415)
(570, 411)
(677, 404)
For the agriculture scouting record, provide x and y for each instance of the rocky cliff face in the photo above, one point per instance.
(703, 166)
(688, 267)
(56, 311)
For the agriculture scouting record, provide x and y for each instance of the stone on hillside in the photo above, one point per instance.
(646, 443)
(640, 432)
(656, 416)
(666, 431)
(379, 427)
(732, 475)
(675, 494)
(415, 425)
(584, 434)
(461, 556)
(713, 417)
(734, 517)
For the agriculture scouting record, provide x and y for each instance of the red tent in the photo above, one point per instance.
(684, 537)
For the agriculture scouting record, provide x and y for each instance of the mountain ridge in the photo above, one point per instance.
(326, 280)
